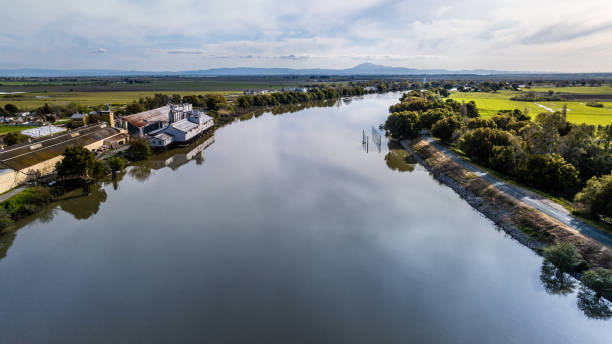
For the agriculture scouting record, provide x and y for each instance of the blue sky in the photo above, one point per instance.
(536, 35)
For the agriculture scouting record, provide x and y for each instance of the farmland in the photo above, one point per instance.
(605, 89)
(578, 112)
(119, 91)
(29, 101)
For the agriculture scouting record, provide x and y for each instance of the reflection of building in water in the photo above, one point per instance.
(176, 158)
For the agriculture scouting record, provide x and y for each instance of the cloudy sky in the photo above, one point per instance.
(531, 35)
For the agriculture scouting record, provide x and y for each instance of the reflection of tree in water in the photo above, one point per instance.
(140, 172)
(398, 159)
(6, 240)
(555, 282)
(593, 305)
(83, 207)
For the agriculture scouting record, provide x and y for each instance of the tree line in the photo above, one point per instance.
(548, 153)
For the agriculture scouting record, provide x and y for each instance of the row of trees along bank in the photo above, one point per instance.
(550, 154)
(322, 93)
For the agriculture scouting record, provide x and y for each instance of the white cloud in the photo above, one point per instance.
(188, 34)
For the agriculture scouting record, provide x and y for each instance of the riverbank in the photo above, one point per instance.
(528, 226)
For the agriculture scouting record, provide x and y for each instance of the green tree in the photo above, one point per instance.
(79, 161)
(503, 159)
(134, 107)
(402, 125)
(139, 149)
(581, 147)
(478, 143)
(549, 173)
(215, 102)
(10, 109)
(14, 138)
(176, 98)
(564, 256)
(430, 117)
(116, 163)
(481, 123)
(600, 281)
(470, 110)
(597, 196)
(503, 121)
(446, 128)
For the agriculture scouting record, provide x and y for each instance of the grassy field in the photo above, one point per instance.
(30, 101)
(120, 91)
(4, 129)
(578, 112)
(606, 89)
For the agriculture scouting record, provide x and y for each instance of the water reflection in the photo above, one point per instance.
(328, 238)
(398, 159)
(140, 172)
(6, 240)
(84, 207)
(555, 281)
(593, 305)
(178, 157)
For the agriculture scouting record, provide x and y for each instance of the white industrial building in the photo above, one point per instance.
(184, 124)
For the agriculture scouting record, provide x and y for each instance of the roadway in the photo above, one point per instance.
(529, 197)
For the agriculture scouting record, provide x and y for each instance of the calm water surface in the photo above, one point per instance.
(283, 230)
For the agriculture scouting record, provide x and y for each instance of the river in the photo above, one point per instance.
(283, 230)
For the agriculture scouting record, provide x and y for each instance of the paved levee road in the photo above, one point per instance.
(528, 197)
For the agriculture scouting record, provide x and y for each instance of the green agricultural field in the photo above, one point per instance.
(4, 129)
(606, 89)
(29, 101)
(578, 112)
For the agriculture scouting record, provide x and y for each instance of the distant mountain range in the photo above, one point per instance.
(362, 69)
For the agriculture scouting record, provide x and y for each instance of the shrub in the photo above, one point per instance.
(595, 104)
(445, 128)
(27, 202)
(597, 196)
(564, 256)
(14, 138)
(549, 173)
(403, 125)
